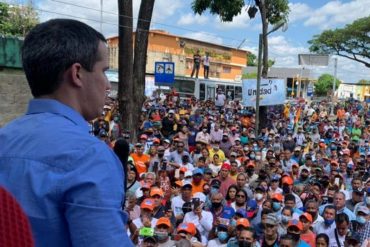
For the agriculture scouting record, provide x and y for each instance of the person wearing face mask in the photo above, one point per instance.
(366, 201)
(162, 231)
(289, 143)
(247, 238)
(203, 220)
(203, 136)
(216, 150)
(225, 144)
(241, 224)
(222, 237)
(197, 181)
(304, 176)
(286, 216)
(178, 201)
(357, 197)
(250, 170)
(287, 183)
(295, 227)
(329, 221)
(277, 200)
(337, 237)
(312, 207)
(362, 223)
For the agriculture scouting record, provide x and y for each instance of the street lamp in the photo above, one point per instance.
(334, 80)
(259, 65)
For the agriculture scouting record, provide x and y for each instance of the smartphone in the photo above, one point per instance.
(177, 173)
(336, 181)
(196, 203)
(146, 232)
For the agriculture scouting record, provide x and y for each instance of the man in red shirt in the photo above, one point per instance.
(225, 179)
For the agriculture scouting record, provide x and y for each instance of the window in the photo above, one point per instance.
(238, 93)
(202, 91)
(226, 69)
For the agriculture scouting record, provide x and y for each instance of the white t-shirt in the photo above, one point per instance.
(220, 100)
(215, 243)
(176, 205)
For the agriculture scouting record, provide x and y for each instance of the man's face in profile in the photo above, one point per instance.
(95, 85)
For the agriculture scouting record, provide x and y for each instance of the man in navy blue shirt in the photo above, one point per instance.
(69, 183)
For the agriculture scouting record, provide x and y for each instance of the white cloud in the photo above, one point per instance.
(336, 13)
(204, 36)
(191, 19)
(90, 12)
(299, 11)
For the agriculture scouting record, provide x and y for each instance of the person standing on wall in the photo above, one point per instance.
(196, 64)
(206, 63)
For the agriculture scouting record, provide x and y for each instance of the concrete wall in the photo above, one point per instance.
(14, 95)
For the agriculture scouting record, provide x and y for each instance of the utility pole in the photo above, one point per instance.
(259, 65)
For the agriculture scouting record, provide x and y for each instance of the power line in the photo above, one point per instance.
(154, 22)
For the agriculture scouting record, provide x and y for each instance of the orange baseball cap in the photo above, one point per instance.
(242, 222)
(251, 164)
(148, 204)
(164, 221)
(307, 216)
(156, 191)
(156, 140)
(287, 180)
(187, 228)
(183, 169)
(295, 223)
(179, 183)
(277, 196)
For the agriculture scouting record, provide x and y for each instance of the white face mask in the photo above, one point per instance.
(258, 196)
(258, 157)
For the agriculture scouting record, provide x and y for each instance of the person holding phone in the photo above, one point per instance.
(202, 219)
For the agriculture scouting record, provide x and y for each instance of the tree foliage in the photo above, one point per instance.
(352, 41)
(363, 81)
(272, 12)
(325, 84)
(17, 20)
(251, 59)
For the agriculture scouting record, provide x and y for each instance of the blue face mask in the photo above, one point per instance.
(222, 236)
(285, 219)
(233, 222)
(361, 220)
(276, 206)
(329, 222)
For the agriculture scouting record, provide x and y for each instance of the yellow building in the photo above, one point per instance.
(226, 63)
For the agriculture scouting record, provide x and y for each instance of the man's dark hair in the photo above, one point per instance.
(266, 211)
(330, 207)
(52, 47)
(340, 218)
(289, 197)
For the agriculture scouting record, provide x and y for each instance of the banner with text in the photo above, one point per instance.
(272, 92)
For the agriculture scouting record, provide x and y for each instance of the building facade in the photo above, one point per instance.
(226, 63)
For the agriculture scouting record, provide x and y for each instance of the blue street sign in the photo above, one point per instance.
(164, 73)
(310, 90)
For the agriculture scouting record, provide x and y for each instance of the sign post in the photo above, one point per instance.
(164, 73)
(271, 92)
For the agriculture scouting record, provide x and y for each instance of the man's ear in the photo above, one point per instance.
(76, 74)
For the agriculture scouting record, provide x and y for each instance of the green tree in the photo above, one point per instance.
(17, 20)
(252, 75)
(251, 59)
(272, 12)
(363, 81)
(325, 84)
(352, 41)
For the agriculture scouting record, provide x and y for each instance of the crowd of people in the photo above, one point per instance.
(201, 175)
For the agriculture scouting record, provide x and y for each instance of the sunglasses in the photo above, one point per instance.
(240, 196)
